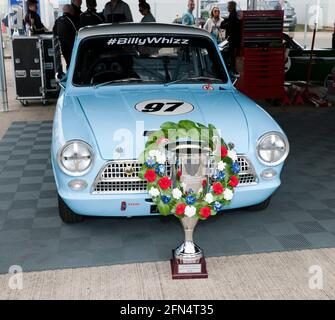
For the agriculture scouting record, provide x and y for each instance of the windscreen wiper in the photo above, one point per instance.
(121, 81)
(202, 79)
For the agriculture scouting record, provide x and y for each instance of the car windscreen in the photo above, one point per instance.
(147, 59)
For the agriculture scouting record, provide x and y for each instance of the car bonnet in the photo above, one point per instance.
(125, 116)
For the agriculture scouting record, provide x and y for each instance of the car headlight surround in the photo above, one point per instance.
(75, 158)
(272, 148)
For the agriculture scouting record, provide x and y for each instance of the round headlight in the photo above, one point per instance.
(272, 148)
(75, 158)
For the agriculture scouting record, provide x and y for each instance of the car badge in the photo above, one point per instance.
(208, 87)
(119, 150)
(129, 171)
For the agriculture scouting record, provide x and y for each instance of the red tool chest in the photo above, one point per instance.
(262, 73)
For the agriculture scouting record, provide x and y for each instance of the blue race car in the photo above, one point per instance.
(126, 80)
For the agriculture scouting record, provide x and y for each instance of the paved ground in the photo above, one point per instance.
(322, 40)
(285, 275)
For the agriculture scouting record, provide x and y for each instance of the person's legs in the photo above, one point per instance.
(232, 58)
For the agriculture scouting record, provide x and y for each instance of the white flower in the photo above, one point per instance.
(228, 194)
(176, 194)
(232, 155)
(201, 190)
(183, 185)
(221, 166)
(153, 153)
(209, 198)
(190, 211)
(154, 192)
(161, 158)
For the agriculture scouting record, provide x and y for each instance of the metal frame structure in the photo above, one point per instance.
(3, 82)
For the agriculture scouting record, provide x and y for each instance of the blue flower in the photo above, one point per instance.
(166, 199)
(160, 169)
(217, 206)
(221, 175)
(150, 163)
(235, 167)
(190, 200)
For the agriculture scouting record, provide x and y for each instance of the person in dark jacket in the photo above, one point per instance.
(66, 31)
(232, 25)
(32, 19)
(76, 5)
(90, 17)
(117, 11)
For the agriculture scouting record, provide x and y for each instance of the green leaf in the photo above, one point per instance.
(169, 126)
(164, 209)
(181, 133)
(194, 134)
(187, 124)
(141, 173)
(201, 126)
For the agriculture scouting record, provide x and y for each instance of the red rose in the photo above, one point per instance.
(179, 173)
(205, 212)
(224, 152)
(204, 183)
(217, 188)
(233, 181)
(150, 175)
(180, 209)
(164, 183)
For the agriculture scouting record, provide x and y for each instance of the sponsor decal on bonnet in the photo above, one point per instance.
(164, 107)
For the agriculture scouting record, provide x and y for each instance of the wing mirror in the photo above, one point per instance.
(61, 79)
(234, 77)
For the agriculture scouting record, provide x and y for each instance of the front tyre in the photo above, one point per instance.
(259, 207)
(66, 214)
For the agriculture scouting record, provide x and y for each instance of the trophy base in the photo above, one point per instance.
(182, 270)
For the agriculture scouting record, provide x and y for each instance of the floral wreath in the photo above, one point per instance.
(216, 192)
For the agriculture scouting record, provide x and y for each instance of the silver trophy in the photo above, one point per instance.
(193, 159)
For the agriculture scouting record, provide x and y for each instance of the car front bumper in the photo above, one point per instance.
(141, 205)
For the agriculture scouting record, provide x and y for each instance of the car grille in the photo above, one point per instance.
(121, 177)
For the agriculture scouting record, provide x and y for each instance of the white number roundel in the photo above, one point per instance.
(164, 107)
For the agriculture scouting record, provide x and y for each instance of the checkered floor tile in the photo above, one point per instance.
(301, 214)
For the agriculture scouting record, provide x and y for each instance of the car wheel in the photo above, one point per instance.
(259, 207)
(66, 214)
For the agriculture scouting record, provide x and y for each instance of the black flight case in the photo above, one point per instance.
(35, 61)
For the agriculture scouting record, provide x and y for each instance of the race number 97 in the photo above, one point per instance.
(164, 107)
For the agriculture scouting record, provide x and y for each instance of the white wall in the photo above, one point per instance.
(327, 12)
(3, 8)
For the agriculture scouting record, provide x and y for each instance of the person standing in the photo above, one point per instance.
(66, 31)
(188, 18)
(145, 10)
(33, 20)
(213, 24)
(117, 11)
(232, 25)
(76, 5)
(90, 17)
